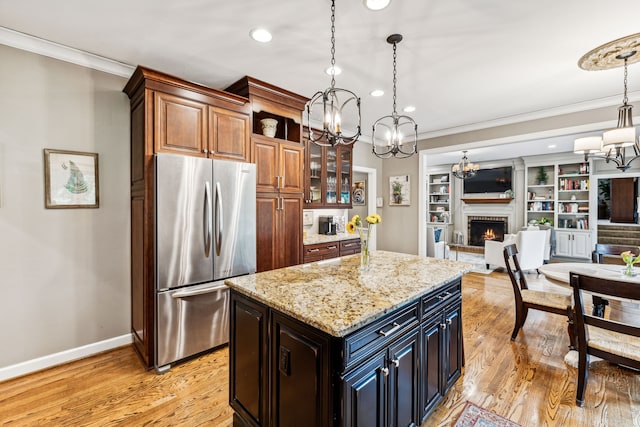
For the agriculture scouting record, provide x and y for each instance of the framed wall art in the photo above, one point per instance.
(359, 193)
(70, 179)
(399, 190)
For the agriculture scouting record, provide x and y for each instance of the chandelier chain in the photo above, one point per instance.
(333, 43)
(625, 99)
(394, 78)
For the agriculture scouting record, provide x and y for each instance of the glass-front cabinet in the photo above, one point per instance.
(328, 172)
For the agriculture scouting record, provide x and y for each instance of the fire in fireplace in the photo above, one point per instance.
(481, 229)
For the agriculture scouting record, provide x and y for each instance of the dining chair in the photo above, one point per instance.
(602, 249)
(551, 302)
(617, 342)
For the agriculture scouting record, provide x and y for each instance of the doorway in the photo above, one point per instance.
(369, 176)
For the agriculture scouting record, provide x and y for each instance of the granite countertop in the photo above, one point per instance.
(337, 298)
(312, 239)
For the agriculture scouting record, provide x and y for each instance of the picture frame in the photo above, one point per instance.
(399, 190)
(71, 179)
(359, 193)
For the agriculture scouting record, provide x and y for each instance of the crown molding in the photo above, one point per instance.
(612, 101)
(64, 53)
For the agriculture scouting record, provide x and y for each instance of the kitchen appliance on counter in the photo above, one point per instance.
(205, 233)
(327, 224)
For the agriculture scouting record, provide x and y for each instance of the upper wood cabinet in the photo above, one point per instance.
(184, 126)
(279, 158)
(170, 115)
(328, 176)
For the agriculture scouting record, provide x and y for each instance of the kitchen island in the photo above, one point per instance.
(327, 344)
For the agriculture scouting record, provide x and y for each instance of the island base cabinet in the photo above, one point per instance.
(301, 372)
(441, 355)
(384, 391)
(248, 358)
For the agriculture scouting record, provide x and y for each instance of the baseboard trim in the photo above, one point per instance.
(65, 356)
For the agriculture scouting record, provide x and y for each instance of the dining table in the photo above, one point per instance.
(560, 273)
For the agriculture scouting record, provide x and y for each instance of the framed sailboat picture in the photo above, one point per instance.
(70, 179)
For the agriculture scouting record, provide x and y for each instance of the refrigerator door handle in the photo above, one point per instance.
(201, 291)
(207, 219)
(219, 219)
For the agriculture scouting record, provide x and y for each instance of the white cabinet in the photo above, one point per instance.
(575, 244)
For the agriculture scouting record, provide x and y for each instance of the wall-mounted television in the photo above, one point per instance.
(495, 180)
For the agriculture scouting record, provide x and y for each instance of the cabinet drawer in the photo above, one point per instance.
(441, 297)
(321, 251)
(378, 334)
(349, 247)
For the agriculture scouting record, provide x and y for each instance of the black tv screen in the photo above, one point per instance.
(496, 180)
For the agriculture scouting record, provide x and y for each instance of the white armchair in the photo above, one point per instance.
(436, 249)
(531, 245)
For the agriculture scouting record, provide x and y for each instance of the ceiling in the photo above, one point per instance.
(464, 64)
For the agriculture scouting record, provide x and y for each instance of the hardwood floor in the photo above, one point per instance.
(526, 381)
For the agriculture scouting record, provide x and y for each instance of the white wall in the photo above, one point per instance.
(64, 273)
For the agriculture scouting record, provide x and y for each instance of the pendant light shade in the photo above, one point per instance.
(337, 109)
(395, 135)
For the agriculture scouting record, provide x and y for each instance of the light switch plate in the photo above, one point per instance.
(379, 202)
(307, 218)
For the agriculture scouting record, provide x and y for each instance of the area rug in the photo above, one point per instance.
(475, 416)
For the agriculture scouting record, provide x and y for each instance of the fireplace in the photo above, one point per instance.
(483, 228)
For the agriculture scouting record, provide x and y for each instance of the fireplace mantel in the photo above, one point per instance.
(486, 200)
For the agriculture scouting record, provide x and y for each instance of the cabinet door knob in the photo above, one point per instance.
(385, 371)
(448, 321)
(395, 362)
(205, 151)
(443, 325)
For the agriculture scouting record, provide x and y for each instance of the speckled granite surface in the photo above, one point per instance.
(312, 239)
(336, 297)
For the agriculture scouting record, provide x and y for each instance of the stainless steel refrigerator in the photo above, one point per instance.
(205, 233)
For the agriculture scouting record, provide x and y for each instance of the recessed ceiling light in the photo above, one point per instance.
(376, 4)
(409, 109)
(376, 92)
(552, 146)
(260, 35)
(335, 70)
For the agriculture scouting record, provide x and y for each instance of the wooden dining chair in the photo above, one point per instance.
(602, 249)
(617, 342)
(551, 302)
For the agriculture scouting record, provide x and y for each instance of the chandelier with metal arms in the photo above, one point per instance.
(399, 133)
(334, 104)
(464, 169)
(613, 144)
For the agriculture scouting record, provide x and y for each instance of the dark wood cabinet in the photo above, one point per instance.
(391, 372)
(328, 176)
(623, 197)
(320, 251)
(301, 380)
(442, 356)
(170, 115)
(278, 230)
(279, 171)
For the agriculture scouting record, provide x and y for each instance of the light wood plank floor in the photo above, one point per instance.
(526, 380)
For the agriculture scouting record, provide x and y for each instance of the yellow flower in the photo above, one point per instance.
(356, 220)
(374, 219)
(628, 257)
(351, 227)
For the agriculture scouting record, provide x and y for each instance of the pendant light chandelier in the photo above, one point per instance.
(395, 135)
(334, 104)
(613, 144)
(464, 169)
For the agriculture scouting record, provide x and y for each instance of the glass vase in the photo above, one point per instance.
(628, 271)
(364, 248)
